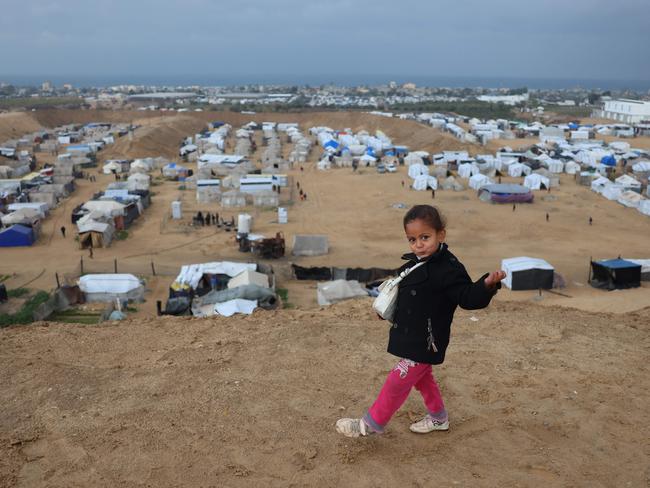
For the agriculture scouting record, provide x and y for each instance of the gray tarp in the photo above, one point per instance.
(265, 297)
(310, 245)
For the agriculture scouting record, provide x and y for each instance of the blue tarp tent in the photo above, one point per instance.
(401, 150)
(371, 152)
(573, 126)
(608, 161)
(331, 144)
(614, 274)
(16, 236)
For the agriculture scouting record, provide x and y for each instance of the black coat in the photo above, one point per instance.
(426, 302)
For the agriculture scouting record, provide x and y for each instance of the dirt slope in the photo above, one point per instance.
(537, 397)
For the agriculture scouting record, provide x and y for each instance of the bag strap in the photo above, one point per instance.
(403, 274)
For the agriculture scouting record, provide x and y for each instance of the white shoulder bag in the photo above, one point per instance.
(386, 301)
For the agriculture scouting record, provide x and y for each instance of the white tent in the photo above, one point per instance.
(138, 181)
(337, 290)
(554, 165)
(628, 183)
(535, 181)
(424, 182)
(479, 180)
(571, 167)
(324, 164)
(599, 184)
(140, 166)
(630, 199)
(467, 170)
(612, 191)
(517, 169)
(248, 277)
(644, 207)
(108, 287)
(416, 170)
(111, 167)
(641, 167)
(412, 158)
(109, 208)
(526, 273)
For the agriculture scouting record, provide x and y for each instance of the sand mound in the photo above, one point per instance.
(16, 124)
(537, 397)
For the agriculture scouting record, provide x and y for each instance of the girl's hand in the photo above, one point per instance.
(494, 278)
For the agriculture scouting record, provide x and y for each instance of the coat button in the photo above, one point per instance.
(414, 292)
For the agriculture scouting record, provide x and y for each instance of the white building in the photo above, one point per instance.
(505, 99)
(624, 110)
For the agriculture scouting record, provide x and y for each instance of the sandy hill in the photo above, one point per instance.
(537, 396)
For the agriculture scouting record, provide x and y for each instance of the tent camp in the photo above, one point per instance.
(505, 193)
(109, 287)
(615, 274)
(628, 183)
(310, 245)
(644, 207)
(16, 236)
(524, 273)
(630, 199)
(424, 182)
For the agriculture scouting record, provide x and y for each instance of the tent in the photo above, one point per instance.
(644, 207)
(467, 170)
(536, 181)
(16, 236)
(335, 291)
(94, 234)
(479, 180)
(452, 183)
(517, 169)
(26, 216)
(112, 167)
(525, 273)
(249, 277)
(138, 181)
(109, 287)
(608, 160)
(571, 167)
(630, 199)
(233, 198)
(628, 183)
(505, 193)
(612, 191)
(423, 182)
(418, 169)
(310, 245)
(615, 274)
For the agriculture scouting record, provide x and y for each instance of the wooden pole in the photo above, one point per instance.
(153, 269)
(58, 283)
(82, 265)
(115, 265)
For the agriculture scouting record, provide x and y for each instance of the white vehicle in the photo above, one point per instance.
(391, 168)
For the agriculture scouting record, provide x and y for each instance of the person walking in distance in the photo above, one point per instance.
(63, 231)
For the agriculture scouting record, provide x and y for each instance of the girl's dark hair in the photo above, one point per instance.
(431, 215)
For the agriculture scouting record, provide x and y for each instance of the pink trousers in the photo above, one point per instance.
(406, 375)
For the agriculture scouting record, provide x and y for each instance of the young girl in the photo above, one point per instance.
(426, 301)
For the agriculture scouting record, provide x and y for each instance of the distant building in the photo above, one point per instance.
(505, 99)
(47, 86)
(67, 86)
(409, 86)
(624, 110)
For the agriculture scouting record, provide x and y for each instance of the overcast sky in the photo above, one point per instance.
(584, 39)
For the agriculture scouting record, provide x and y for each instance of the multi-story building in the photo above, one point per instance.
(624, 110)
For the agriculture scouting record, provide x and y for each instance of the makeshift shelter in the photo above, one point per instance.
(423, 182)
(505, 193)
(452, 183)
(112, 167)
(16, 236)
(644, 207)
(335, 291)
(310, 245)
(536, 181)
(630, 199)
(626, 182)
(416, 170)
(467, 170)
(94, 234)
(111, 287)
(612, 191)
(28, 217)
(517, 169)
(571, 167)
(266, 199)
(478, 180)
(525, 273)
(615, 274)
(249, 277)
(233, 198)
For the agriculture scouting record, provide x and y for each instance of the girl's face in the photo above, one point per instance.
(423, 239)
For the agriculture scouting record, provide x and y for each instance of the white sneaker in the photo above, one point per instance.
(428, 424)
(353, 427)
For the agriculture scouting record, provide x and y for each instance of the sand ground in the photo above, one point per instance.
(543, 390)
